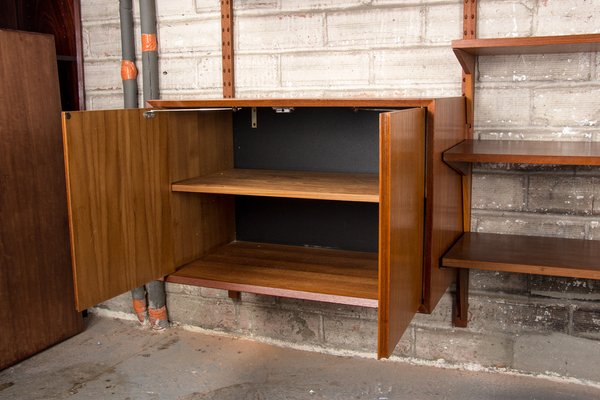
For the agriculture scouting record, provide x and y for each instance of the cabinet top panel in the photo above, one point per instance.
(342, 102)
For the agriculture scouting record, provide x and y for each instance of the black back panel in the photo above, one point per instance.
(308, 139)
(335, 224)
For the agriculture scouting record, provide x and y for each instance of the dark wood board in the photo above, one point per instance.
(36, 292)
(576, 258)
(401, 209)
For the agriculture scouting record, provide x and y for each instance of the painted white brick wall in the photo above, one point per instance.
(286, 48)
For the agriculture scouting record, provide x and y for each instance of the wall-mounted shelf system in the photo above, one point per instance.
(535, 255)
(337, 200)
(576, 258)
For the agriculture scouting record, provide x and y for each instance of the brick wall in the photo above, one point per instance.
(400, 48)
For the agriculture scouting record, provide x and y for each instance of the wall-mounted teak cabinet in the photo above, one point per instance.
(345, 201)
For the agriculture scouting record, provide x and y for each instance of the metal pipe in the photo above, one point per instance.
(149, 49)
(157, 307)
(128, 68)
(139, 303)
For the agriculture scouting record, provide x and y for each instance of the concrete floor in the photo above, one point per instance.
(118, 359)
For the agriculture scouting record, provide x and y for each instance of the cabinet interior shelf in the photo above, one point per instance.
(575, 258)
(522, 151)
(335, 276)
(290, 184)
(466, 50)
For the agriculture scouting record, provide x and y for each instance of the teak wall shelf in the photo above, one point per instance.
(466, 50)
(534, 255)
(345, 201)
(550, 256)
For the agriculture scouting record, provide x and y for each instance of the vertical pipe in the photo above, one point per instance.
(149, 49)
(128, 68)
(139, 303)
(157, 307)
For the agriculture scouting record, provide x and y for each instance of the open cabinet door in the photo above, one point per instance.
(118, 194)
(401, 207)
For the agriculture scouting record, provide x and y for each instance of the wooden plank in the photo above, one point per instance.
(576, 258)
(402, 170)
(200, 143)
(523, 151)
(37, 306)
(337, 276)
(444, 209)
(118, 190)
(530, 45)
(289, 184)
(346, 102)
(466, 50)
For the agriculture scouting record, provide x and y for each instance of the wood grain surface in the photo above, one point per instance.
(524, 151)
(347, 102)
(466, 49)
(200, 143)
(337, 276)
(402, 185)
(118, 189)
(289, 184)
(444, 211)
(37, 306)
(576, 258)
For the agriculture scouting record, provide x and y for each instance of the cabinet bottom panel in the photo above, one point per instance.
(335, 276)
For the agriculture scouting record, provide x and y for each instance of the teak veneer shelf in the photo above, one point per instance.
(523, 152)
(467, 49)
(337, 276)
(288, 184)
(576, 258)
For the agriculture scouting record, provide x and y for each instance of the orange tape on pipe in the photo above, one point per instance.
(128, 70)
(149, 42)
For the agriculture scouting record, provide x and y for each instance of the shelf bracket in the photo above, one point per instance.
(254, 122)
(460, 316)
(462, 168)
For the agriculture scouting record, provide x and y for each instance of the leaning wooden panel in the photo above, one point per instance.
(444, 210)
(200, 143)
(118, 192)
(37, 309)
(402, 147)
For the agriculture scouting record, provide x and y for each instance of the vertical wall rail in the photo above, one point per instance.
(461, 301)
(227, 48)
